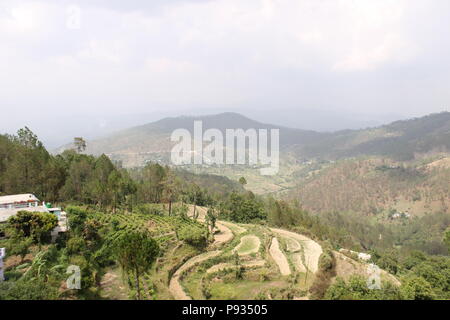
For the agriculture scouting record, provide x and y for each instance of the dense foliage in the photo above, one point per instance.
(125, 218)
(243, 208)
(136, 252)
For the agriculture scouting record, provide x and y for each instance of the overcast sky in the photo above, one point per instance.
(69, 67)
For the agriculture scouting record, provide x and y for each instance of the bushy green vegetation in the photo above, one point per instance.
(136, 252)
(95, 242)
(242, 208)
(356, 289)
(132, 218)
(422, 278)
(193, 235)
(407, 261)
(326, 271)
(27, 167)
(34, 225)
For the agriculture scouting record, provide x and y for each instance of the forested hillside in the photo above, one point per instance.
(27, 167)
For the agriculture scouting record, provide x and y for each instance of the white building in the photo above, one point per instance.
(12, 204)
(18, 201)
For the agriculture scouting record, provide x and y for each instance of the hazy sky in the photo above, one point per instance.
(87, 66)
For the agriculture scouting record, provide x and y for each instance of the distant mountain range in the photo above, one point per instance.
(400, 140)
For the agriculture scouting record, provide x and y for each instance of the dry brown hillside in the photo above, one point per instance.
(377, 186)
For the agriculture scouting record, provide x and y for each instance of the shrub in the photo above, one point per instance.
(76, 217)
(416, 288)
(27, 290)
(356, 288)
(153, 209)
(325, 273)
(75, 245)
(326, 261)
(36, 225)
(195, 236)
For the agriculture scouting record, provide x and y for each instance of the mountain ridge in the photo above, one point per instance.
(400, 140)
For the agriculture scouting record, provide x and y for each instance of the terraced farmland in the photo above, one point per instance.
(243, 261)
(249, 262)
(159, 227)
(163, 229)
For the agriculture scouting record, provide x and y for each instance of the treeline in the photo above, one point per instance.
(27, 167)
(243, 208)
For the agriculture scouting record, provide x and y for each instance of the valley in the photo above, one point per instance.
(150, 230)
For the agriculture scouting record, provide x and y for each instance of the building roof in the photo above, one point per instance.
(6, 213)
(18, 198)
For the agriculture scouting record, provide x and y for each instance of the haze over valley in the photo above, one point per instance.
(254, 150)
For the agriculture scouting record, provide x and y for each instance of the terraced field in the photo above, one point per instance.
(255, 260)
(163, 229)
(311, 249)
(249, 244)
(244, 261)
(279, 258)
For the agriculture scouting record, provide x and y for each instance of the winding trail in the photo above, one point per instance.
(175, 287)
(295, 242)
(224, 235)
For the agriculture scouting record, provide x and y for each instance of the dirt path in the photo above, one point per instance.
(311, 249)
(279, 257)
(255, 263)
(175, 287)
(311, 252)
(224, 235)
